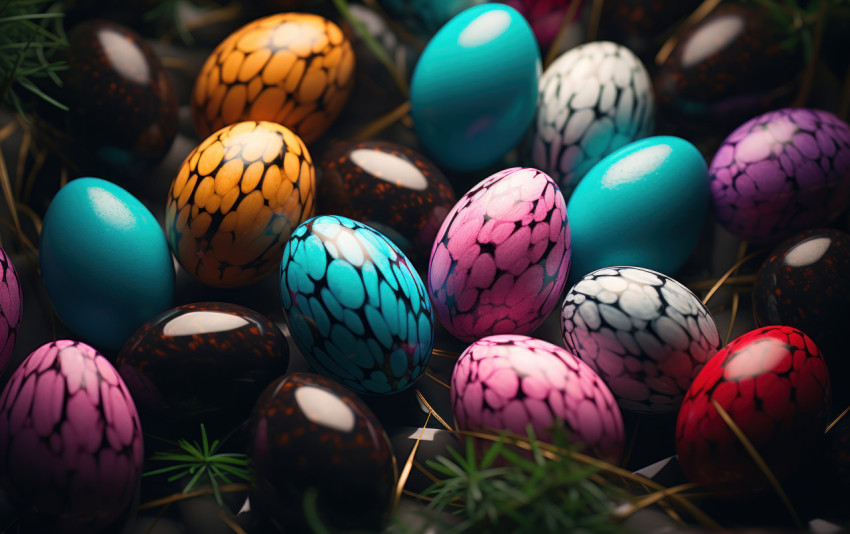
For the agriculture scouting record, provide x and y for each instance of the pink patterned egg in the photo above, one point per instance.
(11, 299)
(506, 382)
(501, 257)
(70, 440)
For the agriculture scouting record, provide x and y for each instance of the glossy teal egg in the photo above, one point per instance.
(474, 89)
(104, 260)
(643, 205)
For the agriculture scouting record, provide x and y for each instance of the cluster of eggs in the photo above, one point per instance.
(603, 205)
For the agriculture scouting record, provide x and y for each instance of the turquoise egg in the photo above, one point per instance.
(104, 260)
(643, 205)
(474, 89)
(355, 305)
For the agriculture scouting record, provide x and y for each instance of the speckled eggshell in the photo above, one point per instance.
(296, 69)
(235, 201)
(356, 307)
(781, 172)
(593, 99)
(501, 258)
(310, 433)
(71, 445)
(506, 382)
(644, 333)
(11, 308)
(774, 384)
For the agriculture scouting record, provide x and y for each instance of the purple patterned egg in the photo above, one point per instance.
(645, 334)
(501, 257)
(11, 300)
(71, 446)
(506, 382)
(781, 172)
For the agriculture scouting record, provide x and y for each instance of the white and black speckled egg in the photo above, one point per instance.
(592, 100)
(644, 333)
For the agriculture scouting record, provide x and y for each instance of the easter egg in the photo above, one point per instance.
(296, 69)
(501, 259)
(507, 382)
(730, 65)
(803, 284)
(104, 261)
(474, 89)
(424, 17)
(546, 16)
(123, 108)
(774, 384)
(388, 187)
(11, 308)
(643, 205)
(235, 201)
(71, 445)
(355, 306)
(311, 434)
(782, 172)
(593, 99)
(202, 363)
(646, 335)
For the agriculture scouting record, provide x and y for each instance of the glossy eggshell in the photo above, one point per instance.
(202, 363)
(123, 107)
(389, 187)
(731, 64)
(11, 308)
(804, 284)
(474, 89)
(310, 433)
(644, 333)
(506, 382)
(774, 384)
(781, 172)
(71, 445)
(355, 306)
(593, 99)
(296, 69)
(644, 206)
(235, 201)
(501, 259)
(104, 261)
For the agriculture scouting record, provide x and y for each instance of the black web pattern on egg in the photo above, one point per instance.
(592, 100)
(11, 299)
(359, 316)
(645, 334)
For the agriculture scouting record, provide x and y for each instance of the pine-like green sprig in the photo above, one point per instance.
(198, 459)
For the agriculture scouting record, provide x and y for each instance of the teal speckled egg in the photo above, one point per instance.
(643, 205)
(104, 260)
(474, 89)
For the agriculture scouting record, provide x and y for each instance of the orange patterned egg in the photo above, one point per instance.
(236, 200)
(296, 69)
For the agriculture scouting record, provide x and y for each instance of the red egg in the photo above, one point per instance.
(773, 383)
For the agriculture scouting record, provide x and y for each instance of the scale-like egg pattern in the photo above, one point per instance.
(774, 384)
(644, 333)
(355, 305)
(11, 300)
(236, 200)
(71, 446)
(501, 258)
(506, 382)
(593, 100)
(781, 172)
(296, 69)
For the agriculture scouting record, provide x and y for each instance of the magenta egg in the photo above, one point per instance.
(506, 382)
(70, 440)
(501, 257)
(782, 172)
(11, 299)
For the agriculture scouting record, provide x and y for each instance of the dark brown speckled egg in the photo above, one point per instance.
(123, 109)
(202, 363)
(311, 436)
(388, 187)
